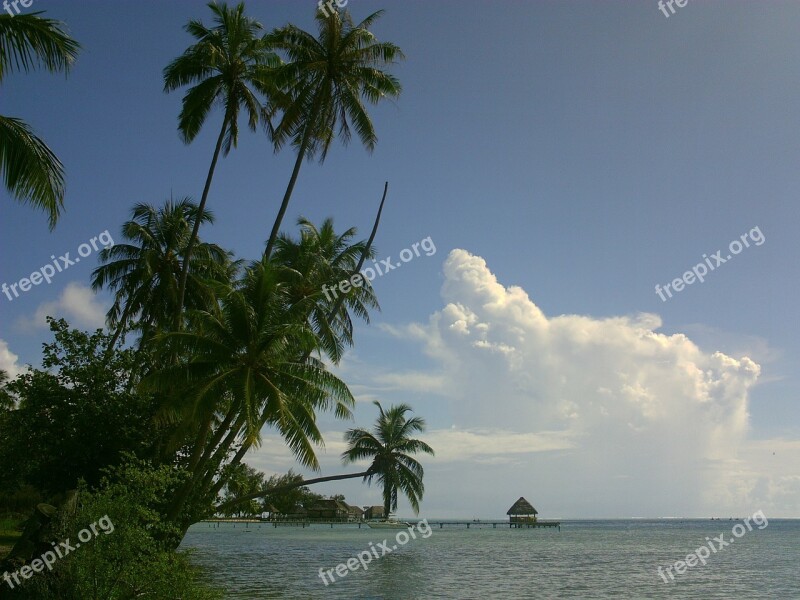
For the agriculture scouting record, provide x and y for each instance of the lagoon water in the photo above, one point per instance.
(586, 559)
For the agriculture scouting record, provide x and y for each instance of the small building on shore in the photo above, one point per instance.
(298, 513)
(329, 509)
(270, 513)
(522, 512)
(374, 512)
(355, 513)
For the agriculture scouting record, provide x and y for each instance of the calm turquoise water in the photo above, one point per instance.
(586, 559)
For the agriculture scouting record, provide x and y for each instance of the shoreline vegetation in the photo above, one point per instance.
(148, 422)
(9, 534)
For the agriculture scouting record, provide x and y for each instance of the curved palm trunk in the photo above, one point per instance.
(340, 299)
(284, 488)
(199, 463)
(286, 197)
(198, 219)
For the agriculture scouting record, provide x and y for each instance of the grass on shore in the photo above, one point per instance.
(9, 534)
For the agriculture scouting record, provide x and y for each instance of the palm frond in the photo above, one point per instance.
(31, 171)
(28, 41)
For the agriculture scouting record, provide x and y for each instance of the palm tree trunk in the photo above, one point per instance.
(197, 464)
(235, 461)
(387, 502)
(284, 488)
(118, 332)
(340, 298)
(286, 197)
(210, 464)
(224, 426)
(198, 219)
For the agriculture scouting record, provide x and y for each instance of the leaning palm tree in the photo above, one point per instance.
(31, 172)
(144, 273)
(390, 447)
(323, 86)
(228, 65)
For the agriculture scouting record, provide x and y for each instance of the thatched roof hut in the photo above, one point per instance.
(355, 512)
(374, 512)
(329, 508)
(522, 508)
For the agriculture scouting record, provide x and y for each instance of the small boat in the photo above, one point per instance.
(388, 524)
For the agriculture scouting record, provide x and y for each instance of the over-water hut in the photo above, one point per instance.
(522, 512)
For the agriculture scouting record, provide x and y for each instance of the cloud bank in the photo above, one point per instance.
(587, 417)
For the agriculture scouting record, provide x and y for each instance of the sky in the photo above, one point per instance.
(563, 159)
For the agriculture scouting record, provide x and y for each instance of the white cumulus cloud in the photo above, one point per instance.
(8, 360)
(78, 304)
(648, 422)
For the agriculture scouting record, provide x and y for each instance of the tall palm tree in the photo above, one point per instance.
(390, 447)
(229, 65)
(325, 259)
(240, 371)
(31, 172)
(144, 273)
(324, 85)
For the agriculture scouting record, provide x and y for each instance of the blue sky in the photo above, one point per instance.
(582, 151)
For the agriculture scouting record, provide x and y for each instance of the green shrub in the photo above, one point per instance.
(124, 558)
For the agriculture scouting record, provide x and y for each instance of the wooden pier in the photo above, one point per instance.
(477, 523)
(494, 524)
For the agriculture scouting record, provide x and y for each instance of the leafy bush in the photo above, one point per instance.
(126, 558)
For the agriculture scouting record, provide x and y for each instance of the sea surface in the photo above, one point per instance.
(586, 559)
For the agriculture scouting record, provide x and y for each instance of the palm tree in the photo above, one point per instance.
(390, 447)
(31, 172)
(320, 257)
(240, 371)
(325, 259)
(324, 85)
(144, 273)
(228, 65)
